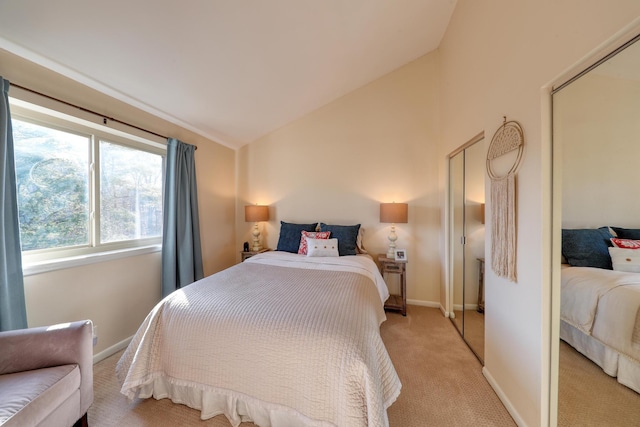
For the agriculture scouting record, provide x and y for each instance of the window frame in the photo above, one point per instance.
(40, 260)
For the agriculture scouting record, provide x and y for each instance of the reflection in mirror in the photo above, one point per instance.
(466, 195)
(596, 137)
(456, 197)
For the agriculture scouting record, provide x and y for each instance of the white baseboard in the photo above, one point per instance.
(111, 350)
(423, 303)
(503, 397)
(428, 304)
(445, 313)
(459, 307)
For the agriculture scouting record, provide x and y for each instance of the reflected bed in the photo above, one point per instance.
(600, 317)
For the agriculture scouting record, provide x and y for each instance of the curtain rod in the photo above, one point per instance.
(86, 110)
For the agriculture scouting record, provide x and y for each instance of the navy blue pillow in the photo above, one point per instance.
(290, 235)
(627, 233)
(587, 247)
(347, 236)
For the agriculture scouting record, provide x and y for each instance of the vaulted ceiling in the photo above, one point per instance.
(229, 70)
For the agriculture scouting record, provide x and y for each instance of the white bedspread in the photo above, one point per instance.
(604, 304)
(281, 340)
(362, 264)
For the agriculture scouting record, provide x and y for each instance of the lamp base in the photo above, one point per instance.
(391, 253)
(256, 238)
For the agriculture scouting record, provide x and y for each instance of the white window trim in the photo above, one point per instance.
(43, 110)
(40, 267)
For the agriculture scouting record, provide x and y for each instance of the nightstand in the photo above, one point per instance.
(396, 302)
(249, 254)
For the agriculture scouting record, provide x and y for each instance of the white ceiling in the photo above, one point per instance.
(232, 70)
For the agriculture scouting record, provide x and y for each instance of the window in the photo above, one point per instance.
(130, 193)
(83, 190)
(53, 186)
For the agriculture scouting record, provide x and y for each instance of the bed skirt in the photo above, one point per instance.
(235, 406)
(613, 363)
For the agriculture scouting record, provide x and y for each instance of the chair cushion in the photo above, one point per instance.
(27, 398)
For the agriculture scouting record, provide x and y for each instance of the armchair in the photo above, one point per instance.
(46, 375)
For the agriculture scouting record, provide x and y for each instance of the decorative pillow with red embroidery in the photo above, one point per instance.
(322, 247)
(625, 259)
(312, 235)
(626, 243)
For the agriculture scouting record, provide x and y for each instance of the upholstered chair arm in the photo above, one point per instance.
(68, 343)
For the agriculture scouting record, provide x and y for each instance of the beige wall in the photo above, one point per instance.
(497, 58)
(595, 123)
(118, 294)
(335, 165)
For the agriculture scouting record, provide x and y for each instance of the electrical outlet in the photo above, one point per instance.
(95, 335)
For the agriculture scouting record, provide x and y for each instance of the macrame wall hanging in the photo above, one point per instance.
(508, 137)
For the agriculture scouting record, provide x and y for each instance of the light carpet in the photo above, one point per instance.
(589, 397)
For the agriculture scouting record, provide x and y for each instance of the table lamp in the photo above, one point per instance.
(394, 213)
(255, 214)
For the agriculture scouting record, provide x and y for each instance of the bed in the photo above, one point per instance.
(600, 303)
(281, 339)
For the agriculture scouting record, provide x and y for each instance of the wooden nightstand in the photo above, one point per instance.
(249, 254)
(391, 266)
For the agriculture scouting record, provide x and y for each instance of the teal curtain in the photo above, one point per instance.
(13, 311)
(181, 250)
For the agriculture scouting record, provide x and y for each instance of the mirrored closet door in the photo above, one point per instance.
(466, 210)
(596, 124)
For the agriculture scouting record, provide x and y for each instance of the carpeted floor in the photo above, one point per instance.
(589, 397)
(474, 331)
(442, 379)
(442, 383)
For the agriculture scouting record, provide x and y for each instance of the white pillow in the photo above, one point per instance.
(625, 259)
(322, 247)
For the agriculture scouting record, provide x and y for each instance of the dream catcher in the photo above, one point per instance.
(508, 138)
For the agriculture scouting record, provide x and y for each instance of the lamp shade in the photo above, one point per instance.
(255, 213)
(397, 213)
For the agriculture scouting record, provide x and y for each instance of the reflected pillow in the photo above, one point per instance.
(347, 236)
(627, 233)
(313, 235)
(290, 235)
(625, 243)
(322, 247)
(587, 247)
(625, 259)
